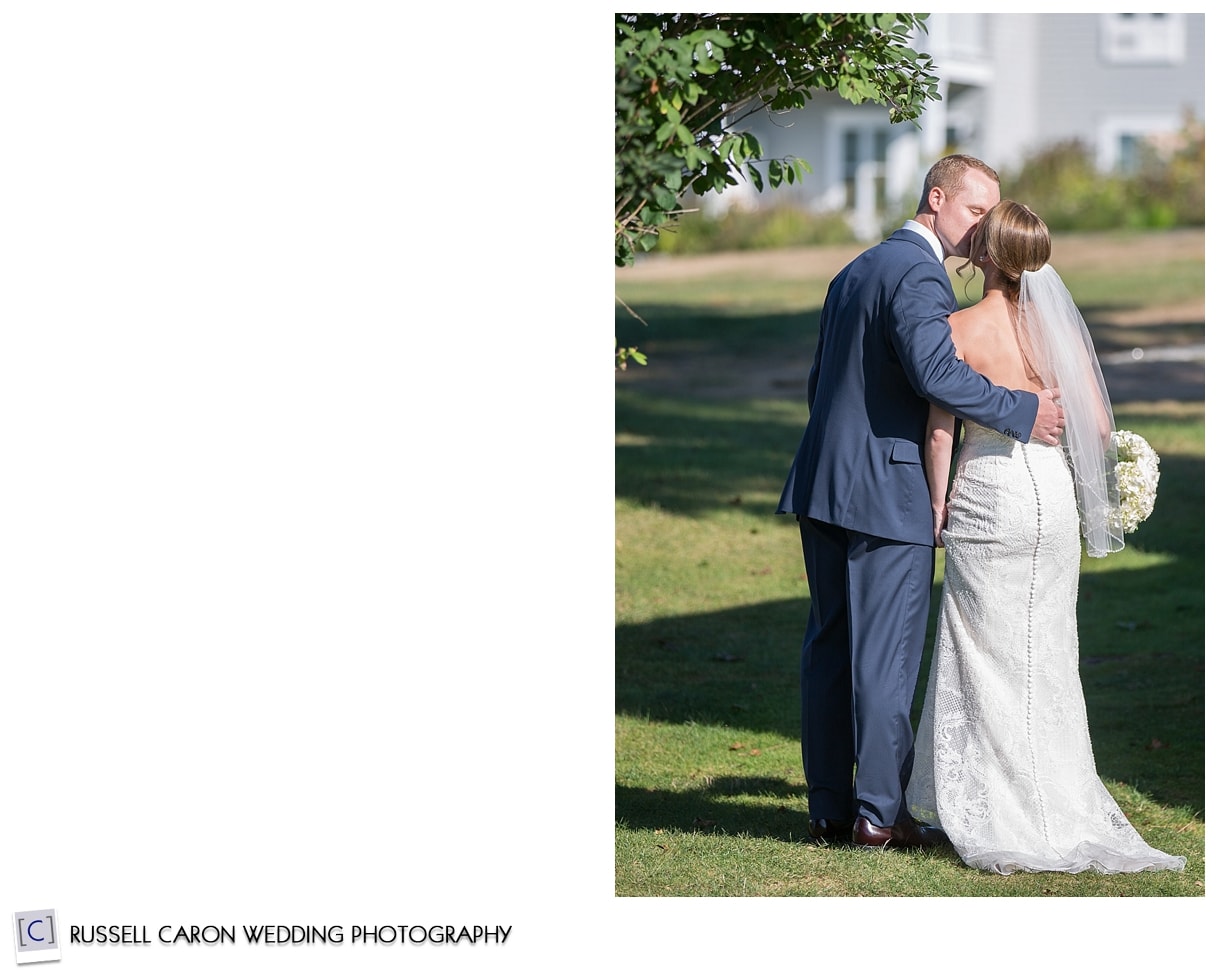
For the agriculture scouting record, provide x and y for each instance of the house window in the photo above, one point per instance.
(1142, 38)
(1123, 139)
(864, 157)
(879, 156)
(850, 148)
(1128, 151)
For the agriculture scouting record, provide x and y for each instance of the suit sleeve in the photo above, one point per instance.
(814, 372)
(922, 340)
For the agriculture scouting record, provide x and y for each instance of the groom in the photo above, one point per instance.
(858, 488)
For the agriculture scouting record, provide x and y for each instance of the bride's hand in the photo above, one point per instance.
(939, 518)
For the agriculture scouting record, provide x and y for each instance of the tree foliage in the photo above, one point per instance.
(685, 82)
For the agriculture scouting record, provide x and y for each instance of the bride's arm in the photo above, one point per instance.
(940, 435)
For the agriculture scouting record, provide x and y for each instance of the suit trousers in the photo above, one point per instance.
(862, 652)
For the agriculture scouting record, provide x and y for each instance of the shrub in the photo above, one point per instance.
(766, 228)
(1169, 189)
(1166, 189)
(1063, 186)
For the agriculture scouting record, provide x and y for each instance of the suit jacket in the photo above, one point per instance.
(885, 349)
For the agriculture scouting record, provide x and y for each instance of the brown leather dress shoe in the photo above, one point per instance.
(829, 830)
(907, 834)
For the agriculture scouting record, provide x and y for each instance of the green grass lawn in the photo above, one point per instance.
(711, 603)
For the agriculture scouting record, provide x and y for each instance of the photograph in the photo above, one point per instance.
(909, 463)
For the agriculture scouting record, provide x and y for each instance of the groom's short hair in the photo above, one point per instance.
(948, 174)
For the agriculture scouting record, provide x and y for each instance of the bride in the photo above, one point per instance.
(1003, 759)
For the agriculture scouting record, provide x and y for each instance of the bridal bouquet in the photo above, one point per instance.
(1137, 475)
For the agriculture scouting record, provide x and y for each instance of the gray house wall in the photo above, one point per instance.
(1009, 118)
(1012, 84)
(1081, 95)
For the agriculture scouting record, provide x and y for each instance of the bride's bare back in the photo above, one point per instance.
(984, 335)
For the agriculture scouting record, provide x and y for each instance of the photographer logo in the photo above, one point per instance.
(35, 936)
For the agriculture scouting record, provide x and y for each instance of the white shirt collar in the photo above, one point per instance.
(917, 227)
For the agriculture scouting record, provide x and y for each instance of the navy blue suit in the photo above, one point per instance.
(858, 486)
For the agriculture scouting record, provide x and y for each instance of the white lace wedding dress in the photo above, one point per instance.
(1003, 754)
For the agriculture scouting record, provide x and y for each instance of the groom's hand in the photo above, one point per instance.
(1050, 420)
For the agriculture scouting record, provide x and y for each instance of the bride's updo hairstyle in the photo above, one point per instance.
(1015, 239)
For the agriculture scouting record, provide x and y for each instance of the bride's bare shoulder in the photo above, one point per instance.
(973, 322)
(962, 318)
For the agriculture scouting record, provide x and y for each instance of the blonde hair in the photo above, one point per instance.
(1015, 239)
(948, 174)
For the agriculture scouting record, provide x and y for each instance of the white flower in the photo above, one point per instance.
(1137, 475)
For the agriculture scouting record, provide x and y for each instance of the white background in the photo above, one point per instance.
(306, 492)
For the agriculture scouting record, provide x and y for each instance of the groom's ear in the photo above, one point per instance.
(935, 198)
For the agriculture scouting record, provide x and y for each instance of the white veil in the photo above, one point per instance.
(1059, 349)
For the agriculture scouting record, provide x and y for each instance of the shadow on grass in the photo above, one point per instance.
(738, 668)
(720, 329)
(1141, 629)
(692, 457)
(717, 809)
(741, 330)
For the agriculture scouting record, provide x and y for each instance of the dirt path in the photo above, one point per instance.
(1178, 376)
(1078, 251)
(1163, 368)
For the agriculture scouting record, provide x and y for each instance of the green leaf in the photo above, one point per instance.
(664, 198)
(775, 173)
(695, 157)
(720, 37)
(867, 90)
(650, 216)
